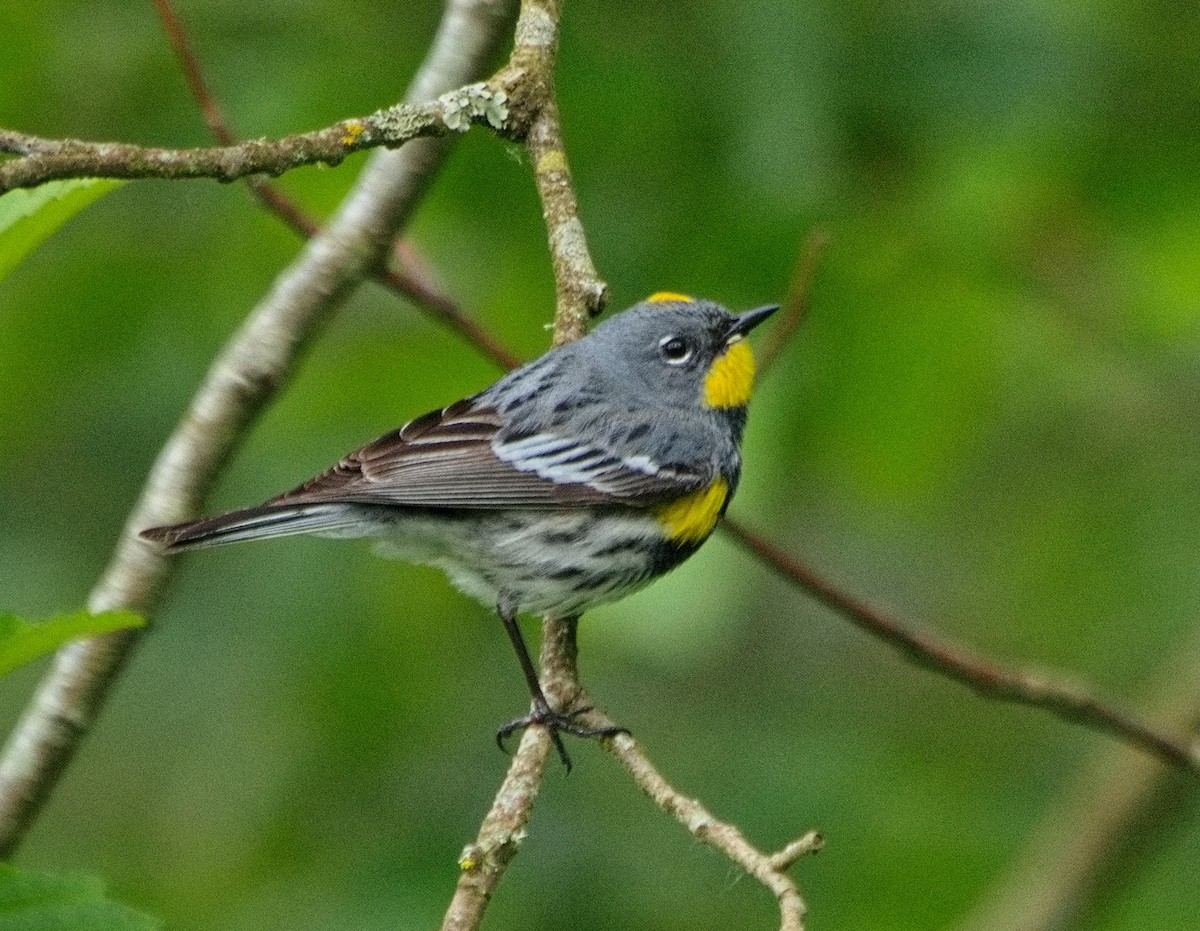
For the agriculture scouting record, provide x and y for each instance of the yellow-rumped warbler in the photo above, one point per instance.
(572, 481)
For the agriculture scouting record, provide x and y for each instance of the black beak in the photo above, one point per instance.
(744, 323)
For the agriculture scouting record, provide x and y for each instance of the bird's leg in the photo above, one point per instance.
(542, 713)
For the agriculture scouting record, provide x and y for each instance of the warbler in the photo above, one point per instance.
(572, 481)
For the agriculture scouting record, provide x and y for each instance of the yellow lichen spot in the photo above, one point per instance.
(352, 131)
(466, 864)
(731, 378)
(692, 518)
(552, 161)
(660, 297)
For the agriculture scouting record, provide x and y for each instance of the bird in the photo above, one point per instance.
(572, 481)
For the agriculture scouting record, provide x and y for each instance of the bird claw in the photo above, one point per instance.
(556, 722)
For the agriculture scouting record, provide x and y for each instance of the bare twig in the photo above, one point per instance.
(242, 381)
(483, 861)
(795, 305)
(408, 278)
(770, 869)
(193, 74)
(1070, 702)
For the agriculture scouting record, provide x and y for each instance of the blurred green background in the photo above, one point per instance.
(988, 425)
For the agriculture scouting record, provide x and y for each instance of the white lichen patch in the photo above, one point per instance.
(536, 28)
(461, 107)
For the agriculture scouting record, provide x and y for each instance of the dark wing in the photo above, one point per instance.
(458, 458)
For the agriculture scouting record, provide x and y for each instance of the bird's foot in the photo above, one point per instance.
(556, 722)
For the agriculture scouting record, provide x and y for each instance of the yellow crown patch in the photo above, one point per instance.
(661, 297)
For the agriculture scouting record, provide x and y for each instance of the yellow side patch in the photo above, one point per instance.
(692, 518)
(660, 297)
(352, 130)
(731, 378)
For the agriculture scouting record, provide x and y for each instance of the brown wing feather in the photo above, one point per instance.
(444, 459)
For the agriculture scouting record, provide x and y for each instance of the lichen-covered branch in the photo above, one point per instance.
(484, 860)
(500, 835)
(533, 117)
(40, 160)
(246, 376)
(528, 80)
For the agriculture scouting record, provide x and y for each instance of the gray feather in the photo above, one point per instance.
(259, 523)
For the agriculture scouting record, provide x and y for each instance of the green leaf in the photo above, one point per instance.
(49, 902)
(27, 217)
(21, 641)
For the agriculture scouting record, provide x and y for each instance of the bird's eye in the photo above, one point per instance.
(674, 350)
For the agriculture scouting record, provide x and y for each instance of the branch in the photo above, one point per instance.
(529, 83)
(580, 296)
(193, 74)
(769, 869)
(484, 861)
(531, 67)
(43, 160)
(242, 381)
(1070, 702)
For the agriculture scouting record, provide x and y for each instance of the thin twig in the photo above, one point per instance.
(484, 860)
(770, 869)
(581, 293)
(193, 74)
(1070, 702)
(795, 305)
(408, 278)
(246, 376)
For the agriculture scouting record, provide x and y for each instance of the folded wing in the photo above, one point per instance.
(458, 457)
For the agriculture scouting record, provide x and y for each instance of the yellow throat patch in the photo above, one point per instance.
(692, 518)
(731, 378)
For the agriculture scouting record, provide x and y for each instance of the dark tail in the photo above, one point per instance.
(258, 523)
